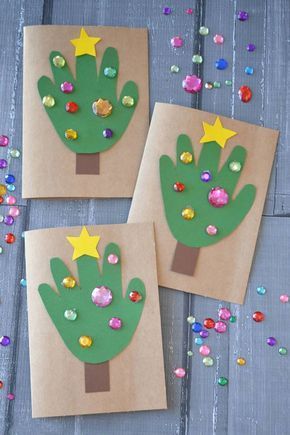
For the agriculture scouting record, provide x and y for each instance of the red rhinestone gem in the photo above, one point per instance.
(178, 187)
(258, 316)
(209, 323)
(135, 296)
(10, 238)
(1, 199)
(71, 107)
(245, 94)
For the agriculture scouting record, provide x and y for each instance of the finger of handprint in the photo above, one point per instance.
(49, 296)
(45, 86)
(226, 177)
(184, 145)
(112, 273)
(243, 202)
(88, 272)
(136, 293)
(130, 89)
(60, 74)
(209, 158)
(59, 272)
(86, 73)
(110, 60)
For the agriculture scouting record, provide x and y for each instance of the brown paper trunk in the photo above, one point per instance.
(88, 164)
(97, 377)
(184, 260)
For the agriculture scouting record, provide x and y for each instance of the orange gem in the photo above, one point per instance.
(102, 108)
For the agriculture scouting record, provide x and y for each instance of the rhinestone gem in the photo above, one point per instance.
(70, 314)
(186, 157)
(221, 64)
(115, 323)
(243, 15)
(85, 341)
(218, 39)
(174, 68)
(222, 381)
(58, 61)
(211, 230)
(48, 101)
(176, 42)
(14, 153)
(102, 107)
(107, 133)
(208, 361)
(197, 58)
(192, 84)
(113, 259)
(68, 282)
(102, 296)
(135, 296)
(218, 197)
(71, 107)
(245, 94)
(10, 238)
(4, 140)
(128, 101)
(206, 176)
(110, 72)
(180, 372)
(235, 166)
(258, 316)
(203, 31)
(188, 213)
(71, 134)
(67, 87)
(178, 187)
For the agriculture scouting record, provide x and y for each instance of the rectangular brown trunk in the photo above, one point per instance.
(97, 377)
(88, 164)
(184, 260)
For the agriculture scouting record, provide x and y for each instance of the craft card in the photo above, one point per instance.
(85, 110)
(203, 182)
(94, 320)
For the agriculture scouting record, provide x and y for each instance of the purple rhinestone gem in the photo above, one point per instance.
(167, 10)
(205, 176)
(3, 164)
(251, 47)
(4, 340)
(107, 133)
(271, 341)
(4, 140)
(67, 87)
(8, 220)
(243, 15)
(204, 333)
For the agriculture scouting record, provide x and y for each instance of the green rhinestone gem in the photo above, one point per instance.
(235, 166)
(1, 249)
(14, 153)
(203, 31)
(190, 353)
(228, 82)
(283, 351)
(1, 218)
(223, 381)
(233, 319)
(128, 101)
(110, 72)
(197, 58)
(70, 314)
(58, 61)
(216, 85)
(208, 361)
(174, 68)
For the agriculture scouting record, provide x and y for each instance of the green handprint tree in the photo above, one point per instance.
(200, 204)
(94, 319)
(85, 110)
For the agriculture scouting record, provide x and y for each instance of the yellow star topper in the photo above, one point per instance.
(84, 244)
(85, 44)
(216, 132)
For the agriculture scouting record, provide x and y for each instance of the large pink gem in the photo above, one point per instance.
(102, 296)
(192, 84)
(218, 197)
(220, 327)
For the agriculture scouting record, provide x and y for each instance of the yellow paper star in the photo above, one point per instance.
(85, 44)
(84, 244)
(216, 133)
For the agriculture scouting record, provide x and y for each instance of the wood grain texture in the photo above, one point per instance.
(257, 399)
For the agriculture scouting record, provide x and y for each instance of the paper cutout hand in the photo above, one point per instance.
(88, 87)
(93, 320)
(192, 233)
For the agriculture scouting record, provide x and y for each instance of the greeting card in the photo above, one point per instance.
(94, 321)
(85, 117)
(203, 182)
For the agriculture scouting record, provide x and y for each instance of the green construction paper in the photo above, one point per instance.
(88, 87)
(193, 232)
(93, 320)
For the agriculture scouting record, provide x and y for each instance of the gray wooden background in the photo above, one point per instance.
(257, 398)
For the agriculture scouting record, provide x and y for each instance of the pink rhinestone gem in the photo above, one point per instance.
(284, 299)
(189, 11)
(115, 323)
(204, 350)
(180, 372)
(10, 396)
(220, 327)
(67, 87)
(14, 211)
(218, 39)
(211, 230)
(224, 313)
(102, 296)
(11, 200)
(4, 140)
(113, 259)
(176, 42)
(218, 197)
(192, 84)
